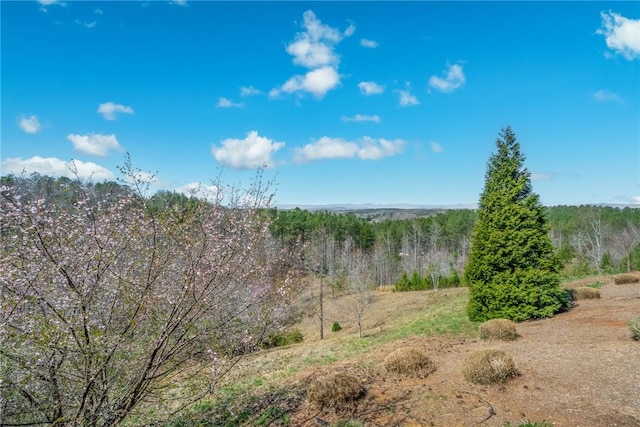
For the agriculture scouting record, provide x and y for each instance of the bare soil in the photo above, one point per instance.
(579, 368)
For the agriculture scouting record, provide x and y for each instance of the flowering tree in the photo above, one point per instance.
(106, 302)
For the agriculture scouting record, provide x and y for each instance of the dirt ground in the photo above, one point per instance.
(579, 368)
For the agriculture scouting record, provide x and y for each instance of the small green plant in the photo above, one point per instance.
(489, 367)
(336, 327)
(634, 326)
(409, 361)
(584, 292)
(348, 423)
(623, 279)
(335, 390)
(282, 338)
(595, 285)
(498, 329)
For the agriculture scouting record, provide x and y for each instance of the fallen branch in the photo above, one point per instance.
(491, 413)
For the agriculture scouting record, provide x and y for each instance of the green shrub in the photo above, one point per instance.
(335, 390)
(595, 285)
(335, 327)
(498, 329)
(282, 338)
(409, 361)
(584, 292)
(488, 367)
(623, 279)
(634, 326)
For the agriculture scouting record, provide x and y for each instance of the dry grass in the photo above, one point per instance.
(584, 292)
(335, 390)
(634, 326)
(498, 329)
(489, 366)
(410, 362)
(623, 279)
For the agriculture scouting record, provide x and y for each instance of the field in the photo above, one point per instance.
(579, 368)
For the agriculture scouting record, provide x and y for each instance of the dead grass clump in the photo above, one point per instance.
(489, 366)
(498, 329)
(634, 326)
(335, 390)
(584, 292)
(410, 362)
(623, 279)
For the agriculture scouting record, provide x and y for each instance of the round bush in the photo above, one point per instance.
(498, 329)
(334, 390)
(584, 292)
(489, 366)
(409, 361)
(335, 327)
(634, 326)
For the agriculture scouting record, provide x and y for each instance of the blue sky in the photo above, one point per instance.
(345, 102)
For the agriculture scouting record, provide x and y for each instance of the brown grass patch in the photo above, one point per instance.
(623, 279)
(634, 326)
(335, 390)
(410, 362)
(584, 292)
(498, 329)
(489, 366)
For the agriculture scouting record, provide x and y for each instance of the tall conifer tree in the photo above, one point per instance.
(512, 271)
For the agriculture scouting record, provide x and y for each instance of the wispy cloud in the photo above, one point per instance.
(453, 79)
(251, 152)
(109, 110)
(542, 176)
(227, 103)
(98, 11)
(85, 23)
(246, 91)
(368, 43)
(200, 190)
(94, 144)
(406, 99)
(436, 148)
(636, 199)
(607, 96)
(55, 167)
(29, 124)
(317, 82)
(622, 35)
(314, 49)
(46, 3)
(365, 148)
(179, 2)
(370, 88)
(361, 118)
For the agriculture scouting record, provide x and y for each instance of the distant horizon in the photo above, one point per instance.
(374, 103)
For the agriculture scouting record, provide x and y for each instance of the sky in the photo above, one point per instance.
(384, 103)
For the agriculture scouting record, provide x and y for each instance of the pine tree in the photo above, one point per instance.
(512, 271)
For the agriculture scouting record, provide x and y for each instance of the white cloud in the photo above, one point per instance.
(636, 199)
(436, 148)
(406, 99)
(605, 96)
(622, 35)
(253, 151)
(55, 167)
(45, 3)
(227, 103)
(85, 23)
(249, 91)
(109, 110)
(368, 43)
(200, 190)
(98, 11)
(366, 148)
(314, 49)
(361, 118)
(29, 124)
(370, 88)
(318, 82)
(180, 2)
(454, 78)
(94, 144)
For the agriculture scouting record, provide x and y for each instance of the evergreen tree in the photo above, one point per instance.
(512, 271)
